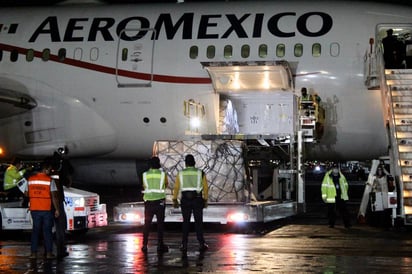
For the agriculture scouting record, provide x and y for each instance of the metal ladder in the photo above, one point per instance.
(399, 99)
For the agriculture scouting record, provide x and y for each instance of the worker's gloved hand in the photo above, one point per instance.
(175, 203)
(205, 204)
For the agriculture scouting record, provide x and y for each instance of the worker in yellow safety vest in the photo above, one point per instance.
(335, 194)
(14, 173)
(192, 184)
(154, 183)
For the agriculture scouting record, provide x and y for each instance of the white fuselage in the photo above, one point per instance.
(80, 104)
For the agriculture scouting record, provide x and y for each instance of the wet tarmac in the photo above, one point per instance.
(298, 245)
(301, 244)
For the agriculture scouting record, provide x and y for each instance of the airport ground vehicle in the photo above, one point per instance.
(83, 210)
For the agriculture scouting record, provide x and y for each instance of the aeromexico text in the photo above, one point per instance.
(245, 26)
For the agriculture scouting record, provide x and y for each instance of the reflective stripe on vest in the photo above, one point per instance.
(39, 192)
(329, 191)
(191, 180)
(150, 179)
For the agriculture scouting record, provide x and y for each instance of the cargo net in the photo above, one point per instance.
(221, 161)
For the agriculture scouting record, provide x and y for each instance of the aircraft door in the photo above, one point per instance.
(134, 60)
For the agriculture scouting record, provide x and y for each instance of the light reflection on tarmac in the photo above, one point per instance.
(296, 247)
(303, 244)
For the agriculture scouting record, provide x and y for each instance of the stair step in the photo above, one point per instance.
(407, 181)
(402, 105)
(399, 76)
(403, 128)
(399, 110)
(407, 201)
(403, 116)
(403, 121)
(389, 72)
(407, 170)
(405, 92)
(403, 135)
(404, 142)
(399, 82)
(400, 99)
(405, 148)
(399, 86)
(405, 163)
(405, 156)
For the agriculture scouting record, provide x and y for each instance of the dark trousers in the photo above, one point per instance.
(152, 208)
(61, 226)
(42, 222)
(339, 206)
(188, 206)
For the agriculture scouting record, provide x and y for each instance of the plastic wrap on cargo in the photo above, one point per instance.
(221, 161)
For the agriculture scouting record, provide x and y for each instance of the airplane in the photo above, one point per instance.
(106, 81)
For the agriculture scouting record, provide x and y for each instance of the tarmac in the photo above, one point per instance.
(299, 244)
(302, 244)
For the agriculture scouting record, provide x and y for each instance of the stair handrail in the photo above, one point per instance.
(394, 154)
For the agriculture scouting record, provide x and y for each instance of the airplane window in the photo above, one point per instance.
(263, 51)
(245, 51)
(163, 120)
(62, 54)
(94, 54)
(29, 55)
(228, 51)
(316, 50)
(298, 50)
(14, 55)
(280, 50)
(194, 52)
(45, 56)
(124, 54)
(334, 49)
(78, 54)
(146, 120)
(211, 51)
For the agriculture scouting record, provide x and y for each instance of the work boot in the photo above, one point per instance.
(162, 248)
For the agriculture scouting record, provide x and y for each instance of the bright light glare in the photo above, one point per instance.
(317, 168)
(1, 151)
(266, 80)
(195, 122)
(237, 217)
(130, 217)
(236, 81)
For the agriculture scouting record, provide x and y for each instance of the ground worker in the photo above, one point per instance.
(335, 194)
(42, 192)
(12, 176)
(155, 184)
(192, 184)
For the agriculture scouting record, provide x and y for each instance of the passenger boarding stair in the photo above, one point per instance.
(399, 96)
